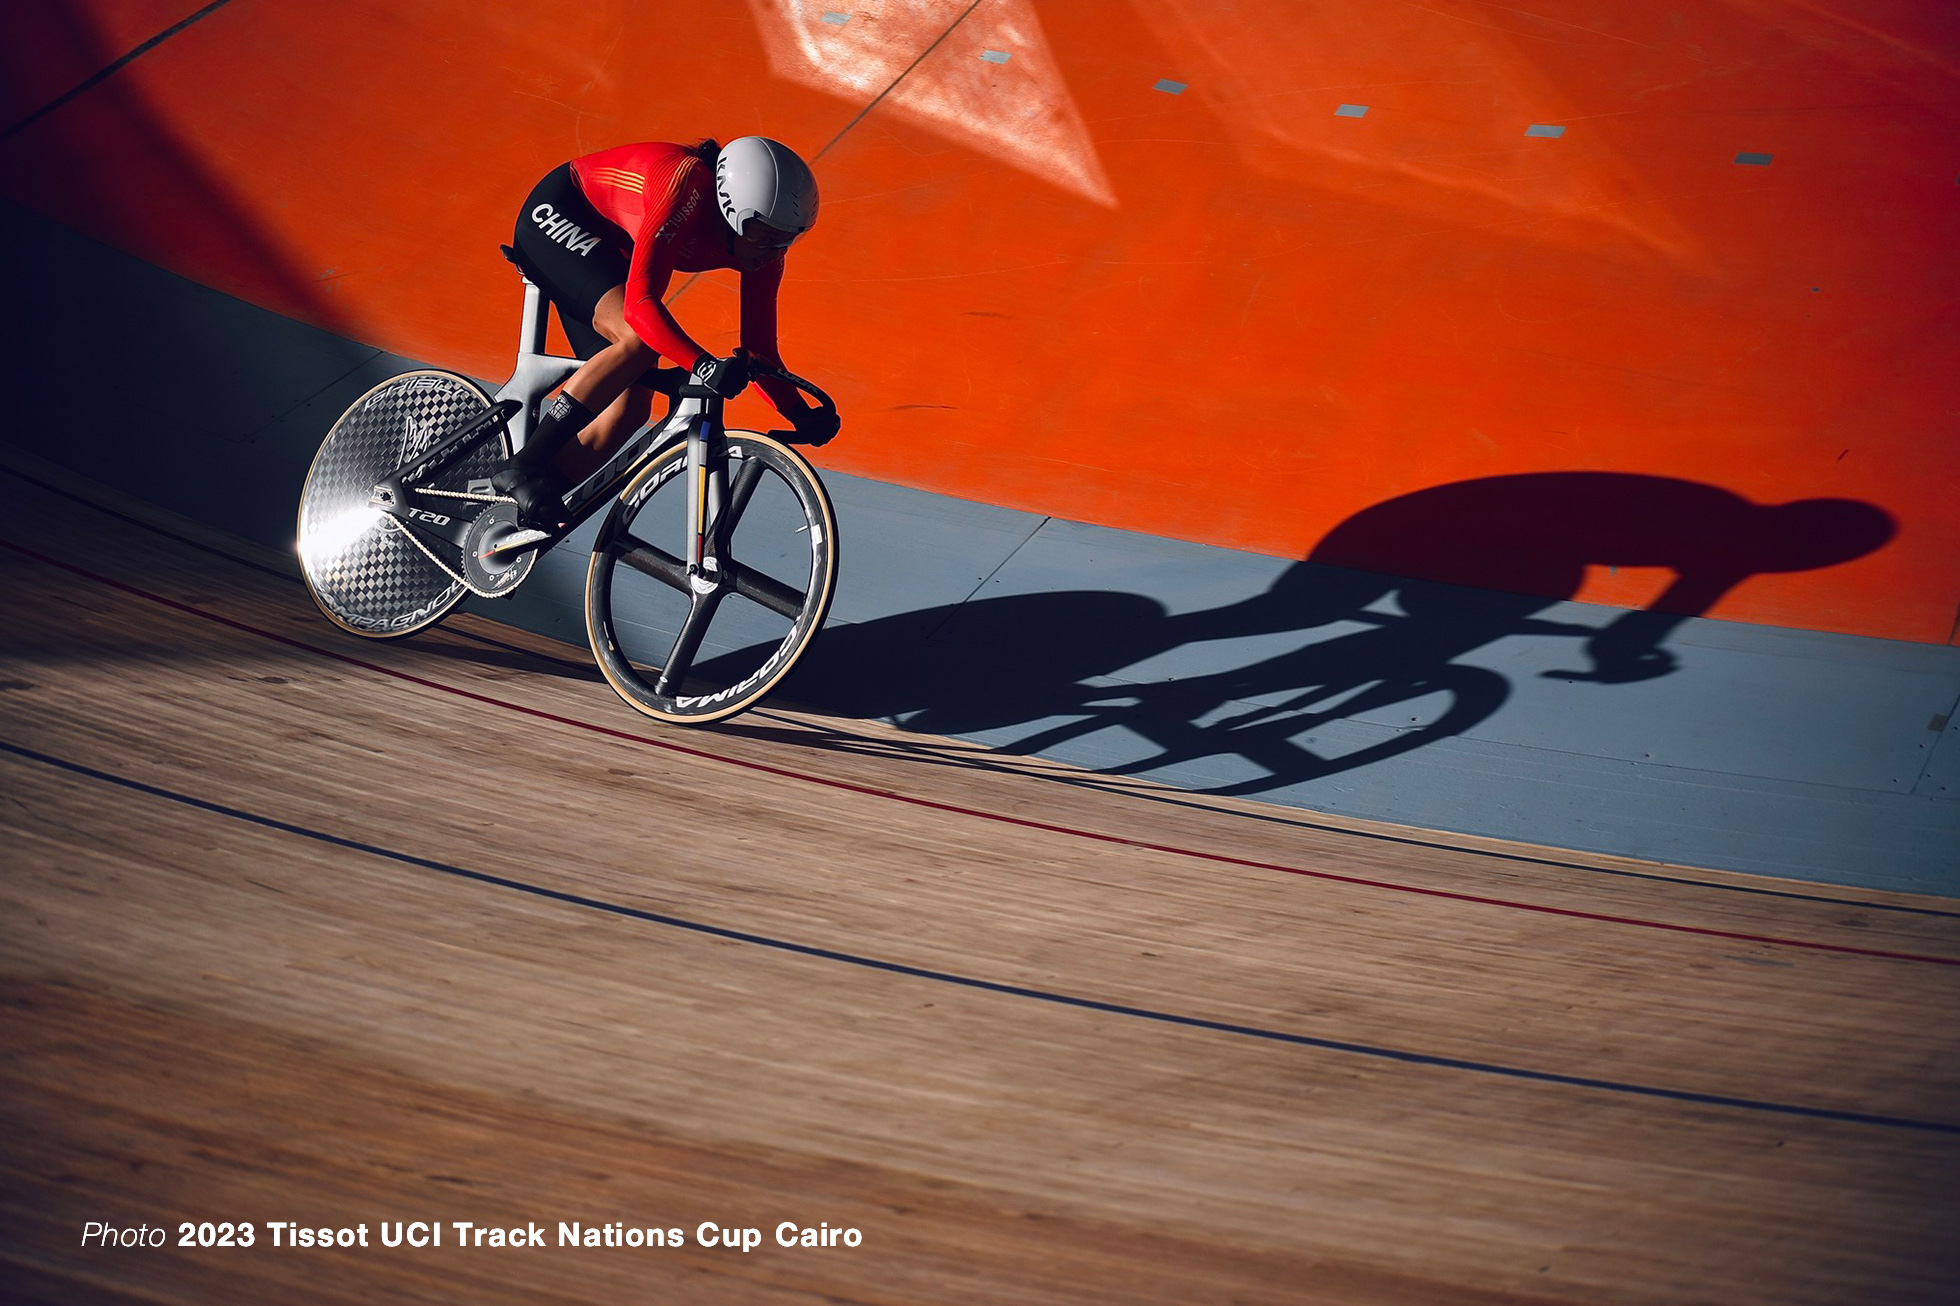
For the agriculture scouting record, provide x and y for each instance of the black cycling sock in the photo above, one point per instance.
(531, 477)
(564, 417)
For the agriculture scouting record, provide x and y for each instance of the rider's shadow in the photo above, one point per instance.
(1338, 664)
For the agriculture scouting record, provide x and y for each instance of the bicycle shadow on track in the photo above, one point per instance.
(1341, 662)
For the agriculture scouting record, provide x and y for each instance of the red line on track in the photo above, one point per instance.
(953, 809)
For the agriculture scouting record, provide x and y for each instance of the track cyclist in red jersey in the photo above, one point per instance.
(602, 236)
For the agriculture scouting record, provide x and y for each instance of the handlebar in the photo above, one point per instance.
(674, 382)
(824, 402)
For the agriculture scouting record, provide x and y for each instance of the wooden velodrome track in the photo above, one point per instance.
(303, 928)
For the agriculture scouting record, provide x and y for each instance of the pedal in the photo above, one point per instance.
(496, 552)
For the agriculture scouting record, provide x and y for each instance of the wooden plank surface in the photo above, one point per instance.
(299, 927)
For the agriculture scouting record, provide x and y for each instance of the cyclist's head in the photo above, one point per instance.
(766, 193)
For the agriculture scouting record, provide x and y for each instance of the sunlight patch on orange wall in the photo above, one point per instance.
(1000, 93)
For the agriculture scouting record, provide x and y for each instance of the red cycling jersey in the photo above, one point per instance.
(663, 197)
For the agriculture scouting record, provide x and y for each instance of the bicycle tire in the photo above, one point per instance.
(361, 567)
(635, 603)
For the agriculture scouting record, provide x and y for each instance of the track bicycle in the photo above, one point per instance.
(398, 523)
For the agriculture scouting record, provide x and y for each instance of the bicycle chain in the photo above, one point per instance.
(447, 570)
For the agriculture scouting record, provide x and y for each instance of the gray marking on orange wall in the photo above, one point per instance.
(96, 79)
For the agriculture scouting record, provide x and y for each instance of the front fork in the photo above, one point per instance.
(706, 480)
(715, 504)
(706, 490)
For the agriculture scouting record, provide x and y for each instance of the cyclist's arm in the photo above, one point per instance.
(759, 289)
(647, 278)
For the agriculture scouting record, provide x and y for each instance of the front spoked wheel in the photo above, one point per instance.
(694, 651)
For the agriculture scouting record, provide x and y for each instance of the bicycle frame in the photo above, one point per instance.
(537, 373)
(696, 416)
(407, 473)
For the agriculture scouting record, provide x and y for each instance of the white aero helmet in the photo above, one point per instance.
(756, 177)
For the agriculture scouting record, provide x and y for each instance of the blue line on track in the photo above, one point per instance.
(1162, 799)
(992, 986)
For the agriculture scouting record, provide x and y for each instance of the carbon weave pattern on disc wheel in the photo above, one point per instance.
(366, 574)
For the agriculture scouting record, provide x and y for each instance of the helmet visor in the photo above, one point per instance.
(763, 236)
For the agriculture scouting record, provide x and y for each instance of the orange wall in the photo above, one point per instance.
(1227, 315)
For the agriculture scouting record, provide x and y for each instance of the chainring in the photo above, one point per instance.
(490, 572)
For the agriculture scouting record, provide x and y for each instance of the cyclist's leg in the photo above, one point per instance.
(597, 409)
(596, 442)
(605, 386)
(577, 258)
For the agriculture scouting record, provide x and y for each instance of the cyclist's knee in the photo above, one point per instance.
(609, 320)
(627, 341)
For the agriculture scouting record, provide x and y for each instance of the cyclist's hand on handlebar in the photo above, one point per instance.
(815, 426)
(727, 377)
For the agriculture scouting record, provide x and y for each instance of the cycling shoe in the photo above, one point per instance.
(538, 493)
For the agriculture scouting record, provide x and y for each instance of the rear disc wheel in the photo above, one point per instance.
(360, 564)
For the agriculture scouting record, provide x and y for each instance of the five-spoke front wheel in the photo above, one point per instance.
(696, 648)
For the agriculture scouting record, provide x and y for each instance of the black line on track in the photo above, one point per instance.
(265, 569)
(1173, 800)
(91, 82)
(984, 985)
(154, 529)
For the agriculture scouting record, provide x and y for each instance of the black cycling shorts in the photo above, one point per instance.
(574, 254)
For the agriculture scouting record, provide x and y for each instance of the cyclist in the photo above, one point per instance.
(602, 236)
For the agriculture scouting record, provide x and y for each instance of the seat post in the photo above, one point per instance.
(537, 373)
(531, 336)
